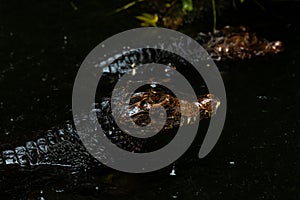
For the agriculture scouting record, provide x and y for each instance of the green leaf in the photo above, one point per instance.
(127, 6)
(148, 19)
(187, 6)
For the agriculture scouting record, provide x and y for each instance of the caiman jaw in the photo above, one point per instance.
(183, 110)
(275, 47)
(208, 105)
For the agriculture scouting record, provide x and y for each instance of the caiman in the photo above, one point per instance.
(237, 43)
(63, 147)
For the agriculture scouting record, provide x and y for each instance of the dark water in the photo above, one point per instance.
(42, 44)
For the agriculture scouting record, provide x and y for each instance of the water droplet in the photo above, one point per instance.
(173, 173)
(262, 97)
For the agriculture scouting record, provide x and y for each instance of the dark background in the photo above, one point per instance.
(42, 44)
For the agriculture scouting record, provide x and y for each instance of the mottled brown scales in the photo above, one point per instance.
(237, 43)
(179, 112)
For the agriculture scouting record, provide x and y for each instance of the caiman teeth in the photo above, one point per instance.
(133, 72)
(189, 120)
(218, 103)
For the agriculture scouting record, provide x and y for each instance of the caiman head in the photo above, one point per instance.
(179, 112)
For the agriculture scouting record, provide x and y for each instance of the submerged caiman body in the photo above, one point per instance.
(56, 147)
